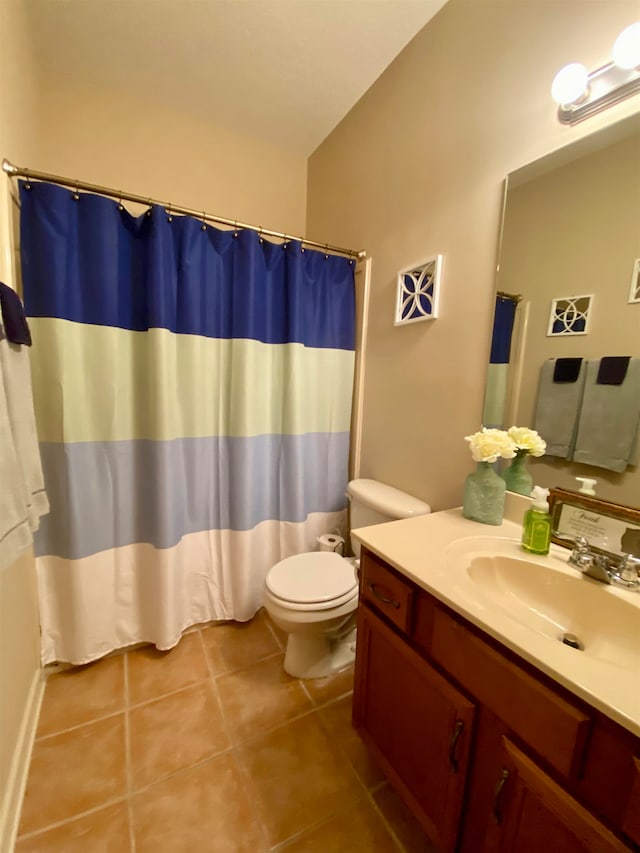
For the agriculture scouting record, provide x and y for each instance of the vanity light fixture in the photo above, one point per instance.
(581, 94)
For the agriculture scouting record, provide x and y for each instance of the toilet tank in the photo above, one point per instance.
(374, 503)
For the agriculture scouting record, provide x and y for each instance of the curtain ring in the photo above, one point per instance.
(284, 245)
(150, 203)
(326, 250)
(27, 185)
(120, 204)
(235, 229)
(76, 195)
(169, 215)
(260, 237)
(204, 224)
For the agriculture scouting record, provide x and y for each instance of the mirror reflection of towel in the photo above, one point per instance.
(557, 409)
(609, 420)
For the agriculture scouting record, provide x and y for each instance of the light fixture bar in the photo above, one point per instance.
(606, 86)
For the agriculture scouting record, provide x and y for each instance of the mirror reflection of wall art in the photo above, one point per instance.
(570, 315)
(418, 292)
(634, 292)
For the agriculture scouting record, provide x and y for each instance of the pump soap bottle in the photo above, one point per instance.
(536, 526)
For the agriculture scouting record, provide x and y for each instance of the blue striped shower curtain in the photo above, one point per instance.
(193, 399)
(495, 401)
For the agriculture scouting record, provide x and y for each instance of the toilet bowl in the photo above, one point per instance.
(313, 597)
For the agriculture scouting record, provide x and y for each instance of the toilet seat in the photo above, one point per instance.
(317, 580)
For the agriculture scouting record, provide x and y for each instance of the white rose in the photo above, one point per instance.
(528, 439)
(490, 444)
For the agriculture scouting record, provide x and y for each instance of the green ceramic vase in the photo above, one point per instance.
(517, 476)
(484, 495)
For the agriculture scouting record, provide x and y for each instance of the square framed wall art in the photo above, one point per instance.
(570, 315)
(418, 292)
(634, 290)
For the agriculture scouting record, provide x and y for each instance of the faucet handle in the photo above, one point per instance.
(629, 570)
(581, 556)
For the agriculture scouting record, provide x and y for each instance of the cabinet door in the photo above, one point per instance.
(417, 725)
(532, 813)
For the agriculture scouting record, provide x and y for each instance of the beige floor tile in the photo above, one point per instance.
(260, 697)
(296, 778)
(336, 719)
(359, 829)
(175, 732)
(153, 673)
(73, 772)
(82, 694)
(104, 831)
(326, 689)
(235, 645)
(203, 809)
(402, 822)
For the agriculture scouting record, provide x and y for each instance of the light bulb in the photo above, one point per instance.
(626, 50)
(570, 83)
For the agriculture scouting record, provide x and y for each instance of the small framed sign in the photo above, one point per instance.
(610, 528)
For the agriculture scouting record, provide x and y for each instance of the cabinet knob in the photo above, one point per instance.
(383, 598)
(497, 797)
(453, 744)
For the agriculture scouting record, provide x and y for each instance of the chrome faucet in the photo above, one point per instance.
(623, 572)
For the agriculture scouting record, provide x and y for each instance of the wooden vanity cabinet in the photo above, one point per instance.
(488, 753)
(416, 724)
(532, 813)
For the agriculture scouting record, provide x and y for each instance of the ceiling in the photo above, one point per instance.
(286, 71)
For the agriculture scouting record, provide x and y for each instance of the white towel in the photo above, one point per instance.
(22, 496)
(609, 420)
(557, 409)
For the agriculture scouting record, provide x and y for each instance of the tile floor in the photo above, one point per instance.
(208, 747)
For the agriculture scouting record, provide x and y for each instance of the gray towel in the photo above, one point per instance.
(557, 409)
(609, 420)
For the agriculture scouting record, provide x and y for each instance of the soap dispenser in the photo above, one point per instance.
(587, 486)
(536, 526)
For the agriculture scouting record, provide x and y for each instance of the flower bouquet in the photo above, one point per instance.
(527, 443)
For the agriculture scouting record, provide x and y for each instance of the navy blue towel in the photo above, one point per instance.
(567, 369)
(13, 317)
(613, 369)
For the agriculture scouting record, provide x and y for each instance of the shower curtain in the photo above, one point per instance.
(495, 400)
(193, 398)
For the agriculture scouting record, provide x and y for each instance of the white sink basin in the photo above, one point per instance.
(553, 603)
(550, 598)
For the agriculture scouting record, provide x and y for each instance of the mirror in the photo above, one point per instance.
(571, 228)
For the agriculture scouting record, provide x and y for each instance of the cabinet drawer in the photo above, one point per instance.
(386, 591)
(550, 725)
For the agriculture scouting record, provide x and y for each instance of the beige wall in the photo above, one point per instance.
(574, 230)
(107, 138)
(416, 168)
(19, 637)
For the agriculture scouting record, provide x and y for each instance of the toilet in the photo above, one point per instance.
(313, 597)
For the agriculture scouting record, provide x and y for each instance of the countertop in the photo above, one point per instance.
(427, 550)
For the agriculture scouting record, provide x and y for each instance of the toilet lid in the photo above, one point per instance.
(318, 576)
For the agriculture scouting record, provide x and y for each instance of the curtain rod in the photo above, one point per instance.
(514, 297)
(29, 174)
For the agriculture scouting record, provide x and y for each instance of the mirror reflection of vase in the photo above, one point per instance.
(517, 476)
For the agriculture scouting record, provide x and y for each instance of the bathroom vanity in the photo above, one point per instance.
(496, 734)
